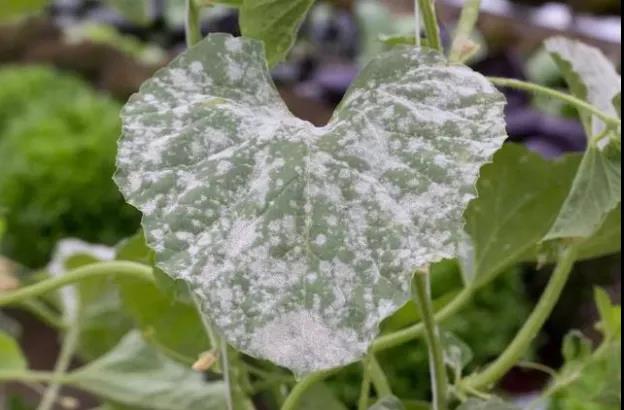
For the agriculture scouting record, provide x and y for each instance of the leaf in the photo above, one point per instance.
(12, 9)
(299, 240)
(388, 403)
(491, 404)
(169, 323)
(319, 396)
(457, 354)
(576, 346)
(610, 315)
(275, 23)
(137, 12)
(595, 192)
(590, 76)
(11, 356)
(135, 374)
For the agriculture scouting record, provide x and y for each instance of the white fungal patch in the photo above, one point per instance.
(300, 240)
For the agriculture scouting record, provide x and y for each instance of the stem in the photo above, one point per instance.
(531, 327)
(300, 388)
(192, 23)
(26, 376)
(62, 364)
(465, 25)
(42, 312)
(380, 381)
(538, 89)
(417, 24)
(431, 24)
(405, 335)
(439, 382)
(134, 269)
(366, 381)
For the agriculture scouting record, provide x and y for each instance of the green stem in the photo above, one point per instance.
(417, 24)
(300, 388)
(192, 23)
(465, 25)
(366, 381)
(68, 348)
(432, 30)
(42, 312)
(538, 89)
(133, 269)
(380, 381)
(513, 353)
(26, 376)
(405, 335)
(439, 381)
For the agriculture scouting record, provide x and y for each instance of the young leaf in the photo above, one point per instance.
(595, 192)
(135, 374)
(11, 356)
(610, 314)
(492, 404)
(274, 22)
(299, 240)
(590, 76)
(388, 403)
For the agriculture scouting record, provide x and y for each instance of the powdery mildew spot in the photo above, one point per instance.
(299, 240)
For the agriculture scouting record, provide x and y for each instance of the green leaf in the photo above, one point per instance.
(275, 23)
(137, 12)
(491, 404)
(610, 314)
(457, 354)
(135, 374)
(595, 192)
(12, 9)
(299, 240)
(169, 323)
(590, 76)
(319, 396)
(11, 356)
(576, 346)
(388, 403)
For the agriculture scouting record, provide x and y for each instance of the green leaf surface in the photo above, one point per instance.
(388, 403)
(12, 9)
(610, 314)
(590, 76)
(135, 11)
(595, 192)
(11, 356)
(520, 195)
(492, 404)
(275, 23)
(299, 240)
(319, 396)
(168, 323)
(135, 374)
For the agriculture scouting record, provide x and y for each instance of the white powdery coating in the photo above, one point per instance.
(299, 240)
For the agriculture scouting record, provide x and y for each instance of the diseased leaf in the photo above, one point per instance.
(492, 404)
(134, 374)
(595, 192)
(590, 76)
(274, 22)
(169, 323)
(388, 403)
(11, 356)
(299, 240)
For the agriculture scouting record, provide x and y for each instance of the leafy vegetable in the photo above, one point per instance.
(286, 230)
(57, 149)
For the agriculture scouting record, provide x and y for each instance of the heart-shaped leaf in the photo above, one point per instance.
(299, 240)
